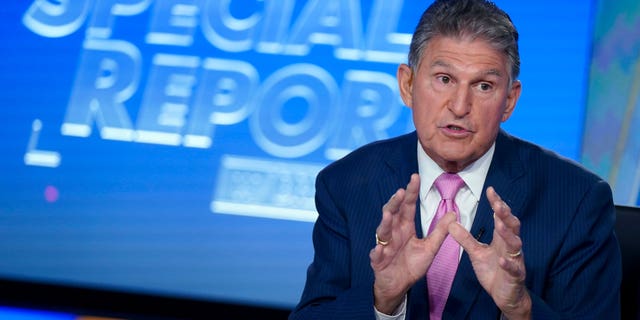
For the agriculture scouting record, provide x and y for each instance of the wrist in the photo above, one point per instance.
(520, 310)
(387, 302)
(398, 313)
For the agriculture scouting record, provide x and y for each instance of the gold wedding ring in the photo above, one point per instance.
(515, 255)
(381, 242)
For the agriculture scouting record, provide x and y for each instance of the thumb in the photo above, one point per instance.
(437, 236)
(464, 238)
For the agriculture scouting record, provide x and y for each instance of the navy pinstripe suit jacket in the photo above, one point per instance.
(567, 220)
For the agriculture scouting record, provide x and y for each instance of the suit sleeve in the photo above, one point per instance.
(330, 291)
(585, 279)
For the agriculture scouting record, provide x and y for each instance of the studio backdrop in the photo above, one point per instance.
(170, 147)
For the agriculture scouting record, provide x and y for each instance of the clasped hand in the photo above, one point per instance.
(402, 258)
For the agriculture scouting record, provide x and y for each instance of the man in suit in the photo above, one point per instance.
(530, 233)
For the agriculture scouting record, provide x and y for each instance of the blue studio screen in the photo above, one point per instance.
(170, 147)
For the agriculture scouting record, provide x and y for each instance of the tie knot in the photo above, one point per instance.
(448, 184)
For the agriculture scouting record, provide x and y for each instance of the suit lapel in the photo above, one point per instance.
(504, 175)
(402, 160)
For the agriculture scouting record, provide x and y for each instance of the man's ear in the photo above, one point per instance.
(512, 99)
(405, 83)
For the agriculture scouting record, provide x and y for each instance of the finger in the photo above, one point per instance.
(389, 210)
(378, 258)
(512, 242)
(464, 238)
(503, 211)
(375, 256)
(442, 227)
(384, 229)
(499, 207)
(408, 209)
(507, 226)
(399, 210)
(435, 239)
(393, 204)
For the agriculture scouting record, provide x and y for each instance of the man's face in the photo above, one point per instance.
(459, 96)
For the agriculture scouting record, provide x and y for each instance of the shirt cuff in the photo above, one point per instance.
(397, 314)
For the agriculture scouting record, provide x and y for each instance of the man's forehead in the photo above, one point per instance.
(454, 52)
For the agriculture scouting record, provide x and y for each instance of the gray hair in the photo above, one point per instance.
(478, 19)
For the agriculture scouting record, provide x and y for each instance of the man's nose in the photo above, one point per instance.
(461, 101)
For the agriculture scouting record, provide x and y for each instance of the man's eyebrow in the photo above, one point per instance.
(493, 72)
(489, 72)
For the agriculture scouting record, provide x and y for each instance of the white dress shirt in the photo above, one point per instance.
(466, 199)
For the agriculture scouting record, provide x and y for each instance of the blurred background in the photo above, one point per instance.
(169, 148)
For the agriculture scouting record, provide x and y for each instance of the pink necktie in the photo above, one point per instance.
(443, 269)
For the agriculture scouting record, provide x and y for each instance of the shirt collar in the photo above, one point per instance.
(473, 175)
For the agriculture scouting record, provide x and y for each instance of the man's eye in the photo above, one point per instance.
(445, 79)
(485, 87)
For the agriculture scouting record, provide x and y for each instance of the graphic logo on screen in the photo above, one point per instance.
(307, 82)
